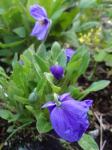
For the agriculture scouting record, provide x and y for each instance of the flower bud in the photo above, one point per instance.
(57, 71)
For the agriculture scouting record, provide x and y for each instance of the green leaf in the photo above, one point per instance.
(57, 14)
(32, 110)
(100, 56)
(41, 51)
(24, 2)
(58, 54)
(55, 51)
(62, 59)
(33, 97)
(42, 124)
(2, 11)
(71, 38)
(75, 91)
(42, 63)
(84, 62)
(78, 64)
(88, 143)
(22, 74)
(89, 25)
(2, 73)
(6, 4)
(87, 4)
(104, 55)
(95, 86)
(12, 44)
(6, 114)
(99, 85)
(20, 99)
(20, 31)
(68, 17)
(49, 78)
(41, 87)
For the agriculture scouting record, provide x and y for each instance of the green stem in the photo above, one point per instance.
(11, 44)
(84, 95)
(58, 103)
(16, 130)
(93, 72)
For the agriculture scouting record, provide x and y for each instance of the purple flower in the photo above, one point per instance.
(69, 53)
(69, 119)
(42, 24)
(57, 71)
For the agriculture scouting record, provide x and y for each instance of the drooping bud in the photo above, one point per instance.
(57, 71)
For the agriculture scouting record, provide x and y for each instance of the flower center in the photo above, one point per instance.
(56, 99)
(41, 22)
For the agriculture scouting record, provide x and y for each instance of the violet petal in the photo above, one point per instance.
(41, 30)
(37, 12)
(72, 122)
(65, 96)
(69, 53)
(49, 105)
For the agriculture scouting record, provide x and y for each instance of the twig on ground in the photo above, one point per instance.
(100, 120)
(103, 145)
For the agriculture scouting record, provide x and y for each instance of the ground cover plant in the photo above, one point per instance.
(55, 74)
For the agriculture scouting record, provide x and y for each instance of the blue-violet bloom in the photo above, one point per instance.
(69, 53)
(69, 120)
(57, 71)
(42, 24)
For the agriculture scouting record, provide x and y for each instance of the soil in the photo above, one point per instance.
(102, 108)
(102, 104)
(33, 141)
